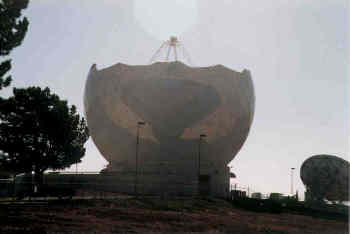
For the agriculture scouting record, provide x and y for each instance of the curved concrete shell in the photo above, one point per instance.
(178, 103)
(326, 177)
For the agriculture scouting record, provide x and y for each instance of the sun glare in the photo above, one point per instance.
(165, 18)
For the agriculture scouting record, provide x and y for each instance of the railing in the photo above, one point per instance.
(73, 172)
(27, 189)
(248, 190)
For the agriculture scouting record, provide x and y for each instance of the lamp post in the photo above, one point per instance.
(199, 153)
(291, 180)
(139, 124)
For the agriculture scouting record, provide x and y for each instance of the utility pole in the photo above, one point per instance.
(199, 154)
(139, 124)
(292, 181)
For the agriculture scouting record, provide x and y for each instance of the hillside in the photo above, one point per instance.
(146, 215)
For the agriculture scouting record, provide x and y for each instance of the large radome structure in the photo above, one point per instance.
(177, 103)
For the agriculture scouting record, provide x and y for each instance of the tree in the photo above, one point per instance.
(13, 28)
(38, 131)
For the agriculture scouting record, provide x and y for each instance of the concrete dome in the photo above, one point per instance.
(178, 103)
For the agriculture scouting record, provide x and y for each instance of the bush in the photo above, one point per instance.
(258, 205)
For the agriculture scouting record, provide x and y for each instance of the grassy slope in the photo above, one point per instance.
(129, 215)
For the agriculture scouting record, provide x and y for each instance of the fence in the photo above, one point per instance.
(90, 184)
(248, 191)
(96, 185)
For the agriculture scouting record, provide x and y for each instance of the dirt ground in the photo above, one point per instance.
(129, 215)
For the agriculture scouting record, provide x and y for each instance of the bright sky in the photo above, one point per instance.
(296, 50)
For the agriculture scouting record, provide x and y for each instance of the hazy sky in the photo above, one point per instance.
(297, 52)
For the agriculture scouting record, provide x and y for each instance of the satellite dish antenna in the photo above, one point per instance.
(163, 54)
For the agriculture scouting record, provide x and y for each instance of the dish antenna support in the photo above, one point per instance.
(173, 44)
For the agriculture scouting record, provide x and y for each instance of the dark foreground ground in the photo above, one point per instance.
(146, 215)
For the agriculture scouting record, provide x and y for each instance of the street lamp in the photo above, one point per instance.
(291, 180)
(199, 153)
(139, 124)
